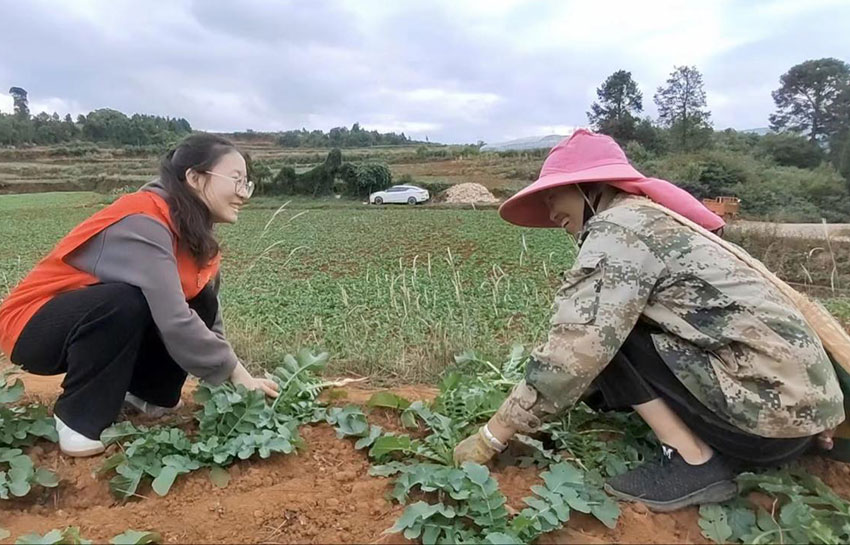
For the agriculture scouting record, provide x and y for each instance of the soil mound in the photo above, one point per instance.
(469, 193)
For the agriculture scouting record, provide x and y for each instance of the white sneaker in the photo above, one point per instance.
(73, 443)
(149, 409)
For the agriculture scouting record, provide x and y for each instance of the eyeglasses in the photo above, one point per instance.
(243, 186)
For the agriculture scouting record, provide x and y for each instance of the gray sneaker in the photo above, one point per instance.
(670, 483)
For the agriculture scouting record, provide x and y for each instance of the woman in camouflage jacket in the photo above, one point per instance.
(655, 317)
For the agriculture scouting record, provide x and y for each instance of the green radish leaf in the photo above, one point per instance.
(408, 420)
(45, 428)
(46, 478)
(111, 463)
(162, 483)
(134, 537)
(562, 474)
(50, 538)
(477, 473)
(369, 440)
(68, 536)
(389, 444)
(8, 454)
(19, 484)
(713, 523)
(350, 421)
(11, 394)
(21, 462)
(741, 519)
(388, 400)
(387, 470)
(500, 538)
(124, 485)
(219, 476)
(308, 360)
(766, 521)
(119, 432)
(606, 512)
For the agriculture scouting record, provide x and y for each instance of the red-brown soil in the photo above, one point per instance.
(323, 494)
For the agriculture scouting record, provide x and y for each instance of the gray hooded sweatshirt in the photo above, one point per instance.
(139, 250)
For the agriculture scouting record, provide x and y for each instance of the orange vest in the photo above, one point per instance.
(52, 276)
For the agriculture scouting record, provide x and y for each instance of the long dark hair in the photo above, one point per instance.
(199, 152)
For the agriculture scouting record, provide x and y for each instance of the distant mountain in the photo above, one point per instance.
(761, 131)
(527, 143)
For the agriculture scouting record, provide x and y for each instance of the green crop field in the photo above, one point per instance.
(392, 292)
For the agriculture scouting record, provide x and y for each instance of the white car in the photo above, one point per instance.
(409, 194)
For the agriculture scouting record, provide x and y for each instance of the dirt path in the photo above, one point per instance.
(839, 232)
(323, 494)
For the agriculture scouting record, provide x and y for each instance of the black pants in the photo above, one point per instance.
(104, 339)
(637, 374)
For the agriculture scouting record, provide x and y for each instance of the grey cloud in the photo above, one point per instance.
(283, 65)
(289, 21)
(748, 73)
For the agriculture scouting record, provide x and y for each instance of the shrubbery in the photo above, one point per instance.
(766, 189)
(337, 137)
(791, 150)
(103, 126)
(353, 179)
(361, 179)
(434, 188)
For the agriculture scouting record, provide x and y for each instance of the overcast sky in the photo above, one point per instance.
(451, 70)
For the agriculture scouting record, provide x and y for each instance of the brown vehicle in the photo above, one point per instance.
(725, 207)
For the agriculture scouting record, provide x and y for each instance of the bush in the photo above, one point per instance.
(732, 140)
(316, 182)
(840, 154)
(283, 183)
(765, 189)
(261, 174)
(682, 169)
(637, 153)
(434, 188)
(792, 194)
(720, 172)
(651, 137)
(361, 179)
(717, 171)
(791, 150)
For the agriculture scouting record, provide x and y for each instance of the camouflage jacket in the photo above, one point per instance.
(735, 342)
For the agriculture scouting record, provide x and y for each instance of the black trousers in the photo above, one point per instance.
(637, 374)
(104, 339)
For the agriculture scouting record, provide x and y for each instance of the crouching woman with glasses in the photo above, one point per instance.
(126, 304)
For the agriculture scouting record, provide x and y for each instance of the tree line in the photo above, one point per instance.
(337, 137)
(341, 137)
(798, 171)
(811, 122)
(102, 126)
(108, 126)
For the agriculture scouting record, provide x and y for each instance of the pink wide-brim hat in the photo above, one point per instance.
(589, 157)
